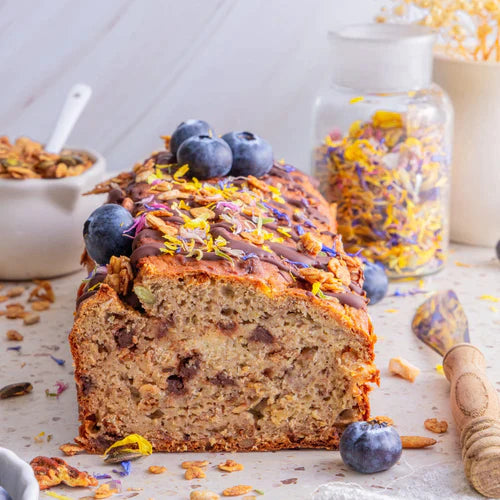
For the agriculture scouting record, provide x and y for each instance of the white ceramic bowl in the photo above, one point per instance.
(41, 223)
(17, 477)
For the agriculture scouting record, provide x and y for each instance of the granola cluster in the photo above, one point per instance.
(53, 471)
(41, 297)
(26, 159)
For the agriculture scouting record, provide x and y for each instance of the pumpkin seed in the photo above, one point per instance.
(12, 390)
(118, 455)
(144, 294)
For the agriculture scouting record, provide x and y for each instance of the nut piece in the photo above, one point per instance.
(235, 491)
(15, 311)
(230, 466)
(71, 449)
(31, 318)
(203, 495)
(434, 425)
(328, 281)
(14, 335)
(160, 225)
(194, 473)
(195, 463)
(120, 275)
(40, 305)
(43, 291)
(53, 471)
(15, 291)
(104, 491)
(128, 204)
(157, 469)
(417, 441)
(310, 244)
(202, 212)
(403, 368)
(340, 270)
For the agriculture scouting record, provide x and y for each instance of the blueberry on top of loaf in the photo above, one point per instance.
(276, 227)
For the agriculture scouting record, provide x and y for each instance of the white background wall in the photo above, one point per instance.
(239, 64)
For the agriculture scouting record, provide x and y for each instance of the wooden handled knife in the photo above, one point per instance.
(440, 322)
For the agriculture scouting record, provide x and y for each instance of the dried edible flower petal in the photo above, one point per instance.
(126, 466)
(133, 444)
(60, 362)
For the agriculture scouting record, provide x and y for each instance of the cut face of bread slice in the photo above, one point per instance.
(211, 360)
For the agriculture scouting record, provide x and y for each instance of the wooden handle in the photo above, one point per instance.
(476, 410)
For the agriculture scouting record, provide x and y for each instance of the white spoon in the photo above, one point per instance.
(76, 101)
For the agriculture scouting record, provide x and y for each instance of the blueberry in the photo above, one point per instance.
(188, 129)
(376, 282)
(251, 154)
(103, 233)
(206, 156)
(370, 446)
(498, 249)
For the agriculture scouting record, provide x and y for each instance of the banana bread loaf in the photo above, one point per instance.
(238, 322)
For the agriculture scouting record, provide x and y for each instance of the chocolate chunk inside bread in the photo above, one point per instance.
(237, 323)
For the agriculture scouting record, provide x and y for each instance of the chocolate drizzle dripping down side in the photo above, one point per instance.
(83, 297)
(149, 250)
(146, 234)
(349, 299)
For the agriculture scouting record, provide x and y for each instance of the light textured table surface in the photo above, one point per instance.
(471, 272)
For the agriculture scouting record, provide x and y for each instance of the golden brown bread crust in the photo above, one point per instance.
(296, 268)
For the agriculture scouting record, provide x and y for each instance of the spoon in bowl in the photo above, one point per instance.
(76, 101)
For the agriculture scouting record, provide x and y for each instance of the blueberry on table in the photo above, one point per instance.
(370, 447)
(103, 233)
(188, 129)
(498, 249)
(251, 154)
(376, 282)
(206, 156)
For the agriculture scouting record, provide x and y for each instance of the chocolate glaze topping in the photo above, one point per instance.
(148, 250)
(301, 211)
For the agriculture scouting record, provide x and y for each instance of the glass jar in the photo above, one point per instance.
(382, 148)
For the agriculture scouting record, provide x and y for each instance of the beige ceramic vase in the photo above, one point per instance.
(474, 88)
